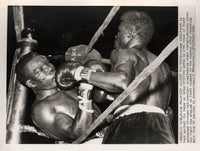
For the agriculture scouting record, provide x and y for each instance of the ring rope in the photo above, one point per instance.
(32, 129)
(100, 30)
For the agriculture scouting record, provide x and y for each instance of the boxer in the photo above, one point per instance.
(141, 117)
(60, 115)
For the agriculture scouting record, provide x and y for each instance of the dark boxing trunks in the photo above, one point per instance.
(140, 128)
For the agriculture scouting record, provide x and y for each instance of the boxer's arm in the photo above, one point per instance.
(63, 125)
(117, 80)
(70, 128)
(83, 119)
(59, 125)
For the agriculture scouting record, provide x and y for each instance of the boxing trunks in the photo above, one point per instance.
(139, 124)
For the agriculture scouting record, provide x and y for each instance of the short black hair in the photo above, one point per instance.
(141, 21)
(21, 71)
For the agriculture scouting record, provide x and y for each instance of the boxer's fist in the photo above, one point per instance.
(98, 95)
(80, 53)
(92, 66)
(95, 65)
(67, 74)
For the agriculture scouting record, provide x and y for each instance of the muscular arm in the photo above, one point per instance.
(119, 78)
(83, 120)
(69, 128)
(61, 120)
(73, 127)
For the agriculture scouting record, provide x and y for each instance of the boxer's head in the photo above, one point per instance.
(135, 30)
(36, 72)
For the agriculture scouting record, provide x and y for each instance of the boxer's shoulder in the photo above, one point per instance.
(130, 54)
(46, 104)
(40, 112)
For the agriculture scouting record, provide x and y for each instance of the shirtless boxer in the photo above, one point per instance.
(141, 117)
(55, 112)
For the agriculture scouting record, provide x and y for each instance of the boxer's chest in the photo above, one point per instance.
(58, 103)
(65, 104)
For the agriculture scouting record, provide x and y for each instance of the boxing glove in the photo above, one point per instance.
(95, 65)
(67, 74)
(98, 94)
(92, 66)
(80, 53)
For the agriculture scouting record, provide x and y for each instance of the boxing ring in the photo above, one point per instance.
(17, 93)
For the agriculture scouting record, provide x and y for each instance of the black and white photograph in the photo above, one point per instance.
(92, 75)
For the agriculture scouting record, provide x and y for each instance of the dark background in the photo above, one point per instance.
(58, 28)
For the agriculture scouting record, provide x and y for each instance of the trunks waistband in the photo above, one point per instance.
(137, 108)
